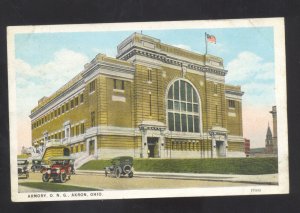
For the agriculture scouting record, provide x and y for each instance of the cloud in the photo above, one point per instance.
(34, 82)
(248, 66)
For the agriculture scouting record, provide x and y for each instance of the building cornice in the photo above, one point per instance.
(162, 57)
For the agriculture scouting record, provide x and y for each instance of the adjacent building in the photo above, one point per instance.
(152, 100)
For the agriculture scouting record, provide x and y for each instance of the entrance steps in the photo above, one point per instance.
(82, 160)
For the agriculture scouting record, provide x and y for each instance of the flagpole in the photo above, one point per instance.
(205, 43)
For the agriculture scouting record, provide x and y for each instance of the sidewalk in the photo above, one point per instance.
(268, 179)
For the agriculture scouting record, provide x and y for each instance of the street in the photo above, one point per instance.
(99, 181)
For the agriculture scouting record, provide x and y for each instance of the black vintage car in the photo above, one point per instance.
(38, 165)
(122, 165)
(23, 168)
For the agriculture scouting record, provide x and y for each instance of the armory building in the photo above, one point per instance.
(152, 100)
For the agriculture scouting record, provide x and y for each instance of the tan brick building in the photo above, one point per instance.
(153, 100)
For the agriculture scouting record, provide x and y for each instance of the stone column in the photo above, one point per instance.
(95, 148)
(161, 142)
(144, 147)
(214, 151)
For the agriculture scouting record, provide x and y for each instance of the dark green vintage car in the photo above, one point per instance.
(121, 166)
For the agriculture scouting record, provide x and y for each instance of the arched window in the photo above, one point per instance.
(183, 107)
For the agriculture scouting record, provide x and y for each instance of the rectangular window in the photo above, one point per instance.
(72, 104)
(118, 84)
(196, 123)
(81, 147)
(72, 149)
(216, 113)
(76, 101)
(93, 86)
(170, 104)
(190, 123)
(182, 91)
(177, 122)
(176, 90)
(72, 131)
(183, 123)
(63, 109)
(81, 98)
(231, 103)
(189, 92)
(215, 88)
(115, 83)
(55, 113)
(93, 121)
(76, 148)
(51, 115)
(58, 111)
(150, 104)
(63, 134)
(171, 121)
(149, 75)
(77, 129)
(176, 105)
(67, 106)
(82, 130)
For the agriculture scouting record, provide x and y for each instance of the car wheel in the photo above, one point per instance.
(69, 177)
(63, 178)
(45, 178)
(130, 175)
(117, 173)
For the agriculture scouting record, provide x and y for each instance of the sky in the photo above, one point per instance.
(46, 61)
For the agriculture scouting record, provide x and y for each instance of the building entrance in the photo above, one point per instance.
(91, 147)
(220, 149)
(152, 143)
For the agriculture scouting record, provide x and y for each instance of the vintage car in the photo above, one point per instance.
(60, 169)
(122, 165)
(23, 168)
(38, 165)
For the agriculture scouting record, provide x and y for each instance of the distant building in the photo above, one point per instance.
(270, 148)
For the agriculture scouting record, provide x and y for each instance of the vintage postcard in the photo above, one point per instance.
(143, 110)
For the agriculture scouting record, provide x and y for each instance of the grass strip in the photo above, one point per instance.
(246, 166)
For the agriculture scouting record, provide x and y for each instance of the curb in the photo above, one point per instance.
(186, 176)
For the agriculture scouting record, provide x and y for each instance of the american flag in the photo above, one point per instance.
(211, 38)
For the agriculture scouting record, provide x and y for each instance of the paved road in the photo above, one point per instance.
(99, 181)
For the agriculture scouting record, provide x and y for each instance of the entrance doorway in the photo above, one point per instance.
(91, 147)
(152, 143)
(220, 148)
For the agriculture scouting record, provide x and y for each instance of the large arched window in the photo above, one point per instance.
(183, 108)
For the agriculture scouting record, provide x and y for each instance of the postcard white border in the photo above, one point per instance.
(281, 101)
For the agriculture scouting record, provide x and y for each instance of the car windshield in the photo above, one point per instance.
(59, 162)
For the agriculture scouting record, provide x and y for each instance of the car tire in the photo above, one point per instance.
(45, 178)
(130, 175)
(117, 173)
(63, 178)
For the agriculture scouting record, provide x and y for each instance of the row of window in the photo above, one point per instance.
(59, 111)
(77, 148)
(185, 146)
